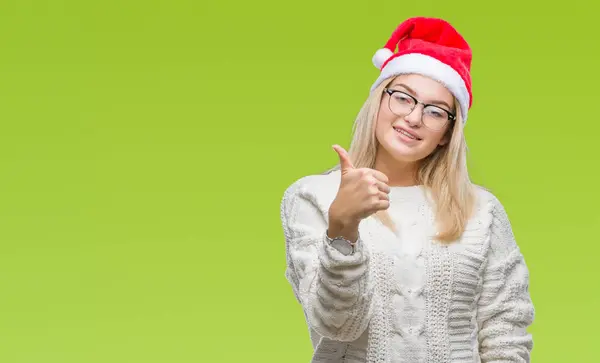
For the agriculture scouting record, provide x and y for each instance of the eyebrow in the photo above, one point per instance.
(414, 93)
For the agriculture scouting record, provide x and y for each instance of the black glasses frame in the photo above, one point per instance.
(390, 92)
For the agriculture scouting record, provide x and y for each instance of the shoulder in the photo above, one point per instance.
(493, 211)
(315, 185)
(487, 202)
(317, 189)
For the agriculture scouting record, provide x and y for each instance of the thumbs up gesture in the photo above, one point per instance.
(362, 192)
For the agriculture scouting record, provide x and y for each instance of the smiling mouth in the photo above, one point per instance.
(410, 136)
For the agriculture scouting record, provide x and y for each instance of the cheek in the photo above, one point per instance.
(435, 138)
(383, 129)
(384, 118)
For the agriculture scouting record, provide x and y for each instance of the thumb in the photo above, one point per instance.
(345, 162)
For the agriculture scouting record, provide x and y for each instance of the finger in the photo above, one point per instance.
(383, 196)
(379, 175)
(383, 187)
(345, 162)
(381, 204)
(384, 205)
(377, 185)
(379, 200)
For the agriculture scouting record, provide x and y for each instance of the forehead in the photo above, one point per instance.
(424, 88)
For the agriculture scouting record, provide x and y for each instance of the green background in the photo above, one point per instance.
(145, 147)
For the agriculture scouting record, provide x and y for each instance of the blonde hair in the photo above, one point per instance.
(443, 172)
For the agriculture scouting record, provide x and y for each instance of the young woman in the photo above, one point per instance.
(394, 255)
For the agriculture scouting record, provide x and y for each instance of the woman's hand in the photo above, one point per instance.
(362, 192)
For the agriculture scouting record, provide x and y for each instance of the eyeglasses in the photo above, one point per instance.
(402, 104)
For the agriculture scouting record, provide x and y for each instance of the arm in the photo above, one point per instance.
(505, 307)
(333, 288)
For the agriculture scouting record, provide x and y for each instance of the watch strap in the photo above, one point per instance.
(339, 239)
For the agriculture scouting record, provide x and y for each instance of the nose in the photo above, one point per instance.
(414, 117)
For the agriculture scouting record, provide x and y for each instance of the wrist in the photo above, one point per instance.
(347, 229)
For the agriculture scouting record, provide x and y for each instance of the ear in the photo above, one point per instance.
(447, 135)
(445, 140)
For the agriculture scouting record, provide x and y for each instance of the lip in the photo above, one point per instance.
(416, 136)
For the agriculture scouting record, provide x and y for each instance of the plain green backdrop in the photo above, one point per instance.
(145, 147)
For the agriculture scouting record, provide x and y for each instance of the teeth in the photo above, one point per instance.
(405, 133)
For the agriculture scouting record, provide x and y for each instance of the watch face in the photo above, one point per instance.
(342, 246)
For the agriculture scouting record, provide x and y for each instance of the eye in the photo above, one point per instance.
(436, 113)
(403, 98)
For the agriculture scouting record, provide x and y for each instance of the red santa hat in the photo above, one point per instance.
(433, 48)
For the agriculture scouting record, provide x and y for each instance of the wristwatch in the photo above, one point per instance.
(343, 245)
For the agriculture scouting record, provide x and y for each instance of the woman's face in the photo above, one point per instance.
(401, 133)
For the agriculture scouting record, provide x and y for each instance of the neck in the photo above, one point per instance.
(400, 174)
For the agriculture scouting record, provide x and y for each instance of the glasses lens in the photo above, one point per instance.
(401, 104)
(434, 117)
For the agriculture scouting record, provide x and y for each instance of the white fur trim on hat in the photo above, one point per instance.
(429, 67)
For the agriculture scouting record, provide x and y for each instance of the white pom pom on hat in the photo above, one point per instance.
(430, 47)
(381, 56)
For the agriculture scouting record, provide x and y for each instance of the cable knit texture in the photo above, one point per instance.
(406, 298)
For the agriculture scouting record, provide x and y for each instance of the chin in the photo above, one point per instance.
(406, 157)
(405, 154)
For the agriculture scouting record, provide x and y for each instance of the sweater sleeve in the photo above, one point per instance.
(505, 308)
(334, 289)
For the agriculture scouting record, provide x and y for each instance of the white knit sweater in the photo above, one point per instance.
(406, 298)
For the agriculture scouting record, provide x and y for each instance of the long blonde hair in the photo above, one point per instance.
(443, 172)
